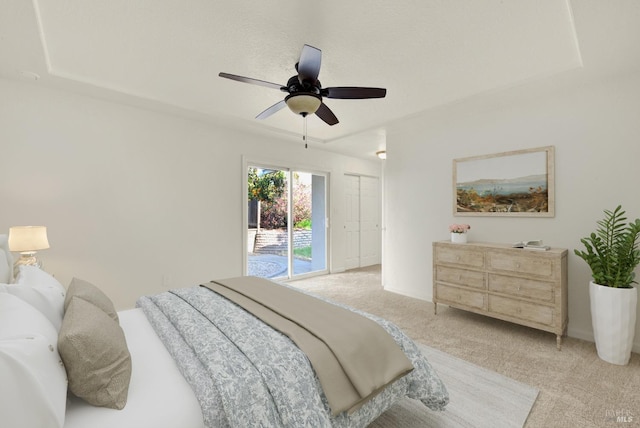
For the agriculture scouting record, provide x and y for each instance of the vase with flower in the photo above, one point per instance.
(459, 233)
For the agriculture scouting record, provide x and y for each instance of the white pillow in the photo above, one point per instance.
(33, 389)
(4, 269)
(6, 261)
(40, 290)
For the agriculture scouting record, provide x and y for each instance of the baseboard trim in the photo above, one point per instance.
(404, 292)
(588, 336)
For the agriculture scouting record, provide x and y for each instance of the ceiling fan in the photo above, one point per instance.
(305, 92)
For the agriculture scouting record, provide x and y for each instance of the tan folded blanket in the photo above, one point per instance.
(353, 356)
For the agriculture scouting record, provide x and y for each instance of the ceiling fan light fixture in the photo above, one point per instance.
(303, 103)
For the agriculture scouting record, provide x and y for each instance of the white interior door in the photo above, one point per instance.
(369, 221)
(362, 225)
(352, 221)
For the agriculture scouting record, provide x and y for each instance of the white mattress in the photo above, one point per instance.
(159, 397)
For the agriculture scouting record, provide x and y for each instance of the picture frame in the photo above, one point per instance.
(517, 183)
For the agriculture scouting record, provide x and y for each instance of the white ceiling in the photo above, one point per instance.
(166, 54)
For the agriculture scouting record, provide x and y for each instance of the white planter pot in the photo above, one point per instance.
(613, 314)
(459, 238)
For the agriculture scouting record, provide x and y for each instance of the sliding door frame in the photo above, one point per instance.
(248, 161)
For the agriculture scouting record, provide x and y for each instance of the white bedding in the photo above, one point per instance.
(159, 397)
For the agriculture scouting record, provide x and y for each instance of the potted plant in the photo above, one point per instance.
(612, 254)
(459, 233)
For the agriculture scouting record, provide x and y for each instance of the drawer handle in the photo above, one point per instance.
(518, 310)
(458, 258)
(518, 265)
(458, 297)
(459, 277)
(519, 288)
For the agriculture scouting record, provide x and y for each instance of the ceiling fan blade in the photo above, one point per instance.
(309, 64)
(353, 92)
(250, 80)
(274, 108)
(326, 115)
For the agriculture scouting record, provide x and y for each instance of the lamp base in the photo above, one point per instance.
(27, 258)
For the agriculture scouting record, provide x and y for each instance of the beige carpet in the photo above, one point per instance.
(478, 398)
(577, 389)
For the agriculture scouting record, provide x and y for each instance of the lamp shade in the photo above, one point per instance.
(28, 238)
(303, 103)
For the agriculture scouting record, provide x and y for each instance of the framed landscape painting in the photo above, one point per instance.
(518, 183)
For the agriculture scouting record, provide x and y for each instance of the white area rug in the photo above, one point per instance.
(478, 398)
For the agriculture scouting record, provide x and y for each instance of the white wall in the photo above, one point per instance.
(595, 129)
(136, 201)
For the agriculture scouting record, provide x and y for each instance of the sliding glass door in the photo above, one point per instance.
(309, 223)
(287, 230)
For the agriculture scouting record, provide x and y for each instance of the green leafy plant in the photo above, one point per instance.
(304, 252)
(612, 250)
(265, 185)
(305, 223)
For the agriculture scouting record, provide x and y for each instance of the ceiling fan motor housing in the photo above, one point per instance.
(295, 85)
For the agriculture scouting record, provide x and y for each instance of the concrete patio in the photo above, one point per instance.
(274, 266)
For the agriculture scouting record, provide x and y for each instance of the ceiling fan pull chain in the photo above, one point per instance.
(304, 130)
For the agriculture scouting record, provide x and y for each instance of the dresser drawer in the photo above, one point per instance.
(520, 263)
(460, 255)
(522, 287)
(521, 310)
(460, 296)
(469, 278)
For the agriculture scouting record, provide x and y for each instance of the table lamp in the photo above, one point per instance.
(27, 240)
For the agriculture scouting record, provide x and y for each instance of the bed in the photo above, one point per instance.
(248, 373)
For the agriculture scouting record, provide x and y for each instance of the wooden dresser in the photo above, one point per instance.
(526, 287)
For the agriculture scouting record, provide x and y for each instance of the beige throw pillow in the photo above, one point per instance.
(94, 351)
(92, 294)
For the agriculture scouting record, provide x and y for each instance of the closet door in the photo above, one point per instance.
(362, 222)
(369, 221)
(352, 220)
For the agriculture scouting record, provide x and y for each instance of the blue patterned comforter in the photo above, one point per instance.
(244, 373)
